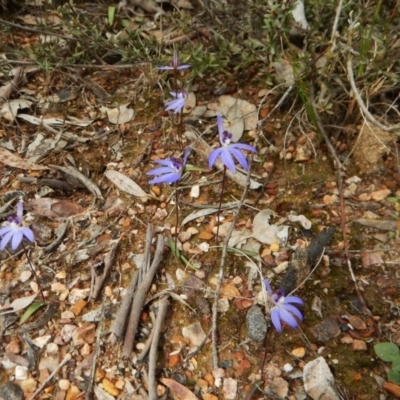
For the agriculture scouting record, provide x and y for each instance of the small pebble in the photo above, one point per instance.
(64, 384)
(288, 368)
(256, 324)
(299, 352)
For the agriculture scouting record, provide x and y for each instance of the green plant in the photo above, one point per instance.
(390, 352)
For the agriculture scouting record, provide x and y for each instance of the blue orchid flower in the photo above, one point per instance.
(171, 170)
(175, 64)
(177, 104)
(283, 308)
(14, 231)
(228, 151)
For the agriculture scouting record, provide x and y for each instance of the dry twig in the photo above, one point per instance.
(162, 311)
(146, 277)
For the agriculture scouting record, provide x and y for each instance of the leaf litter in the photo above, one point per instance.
(96, 235)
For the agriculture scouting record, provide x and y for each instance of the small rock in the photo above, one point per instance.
(66, 332)
(346, 339)
(78, 294)
(303, 152)
(64, 384)
(274, 247)
(184, 236)
(156, 190)
(42, 341)
(299, 352)
(84, 334)
(58, 287)
(229, 388)
(73, 393)
(357, 323)
(256, 324)
(359, 345)
(278, 388)
(202, 384)
(364, 197)
(195, 191)
(21, 373)
(319, 382)
(288, 368)
(223, 305)
(194, 333)
(326, 330)
(28, 385)
(205, 235)
(392, 388)
(174, 360)
(13, 347)
(272, 371)
(109, 387)
(330, 199)
(380, 194)
(11, 391)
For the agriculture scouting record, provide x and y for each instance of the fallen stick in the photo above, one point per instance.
(146, 277)
(162, 311)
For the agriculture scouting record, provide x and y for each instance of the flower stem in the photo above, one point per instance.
(177, 217)
(33, 271)
(220, 202)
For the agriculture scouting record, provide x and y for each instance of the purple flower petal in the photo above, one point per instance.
(294, 310)
(20, 210)
(294, 299)
(240, 157)
(229, 151)
(171, 171)
(267, 286)
(28, 233)
(16, 239)
(165, 68)
(244, 146)
(221, 129)
(5, 239)
(287, 317)
(161, 170)
(166, 178)
(276, 319)
(226, 158)
(213, 157)
(5, 230)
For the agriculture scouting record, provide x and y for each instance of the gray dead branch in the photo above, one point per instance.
(162, 312)
(138, 294)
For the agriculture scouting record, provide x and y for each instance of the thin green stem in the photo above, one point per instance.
(33, 271)
(220, 201)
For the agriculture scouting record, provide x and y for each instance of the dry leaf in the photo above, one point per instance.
(8, 158)
(17, 304)
(369, 259)
(178, 391)
(120, 115)
(229, 292)
(125, 184)
(53, 208)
